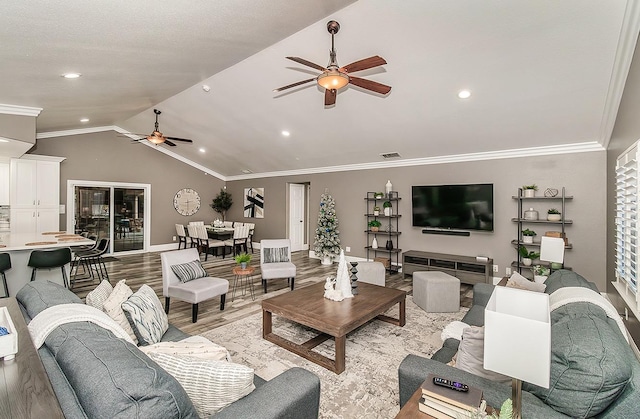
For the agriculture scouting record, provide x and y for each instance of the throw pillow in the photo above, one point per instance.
(146, 316)
(276, 254)
(518, 281)
(211, 385)
(99, 295)
(112, 306)
(470, 355)
(193, 346)
(189, 271)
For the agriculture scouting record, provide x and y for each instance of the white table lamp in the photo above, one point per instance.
(517, 340)
(552, 250)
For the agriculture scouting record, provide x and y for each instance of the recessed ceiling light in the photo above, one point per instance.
(206, 88)
(286, 133)
(84, 120)
(2, 140)
(246, 171)
(71, 75)
(202, 150)
(464, 94)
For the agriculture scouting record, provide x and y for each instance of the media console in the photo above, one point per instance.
(467, 269)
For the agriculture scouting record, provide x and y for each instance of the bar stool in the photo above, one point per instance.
(49, 259)
(5, 265)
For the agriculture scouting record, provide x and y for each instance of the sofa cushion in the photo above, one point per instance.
(194, 346)
(588, 372)
(146, 316)
(189, 271)
(211, 385)
(112, 378)
(113, 307)
(36, 296)
(99, 295)
(470, 355)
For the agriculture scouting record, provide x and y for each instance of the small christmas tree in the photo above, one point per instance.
(327, 242)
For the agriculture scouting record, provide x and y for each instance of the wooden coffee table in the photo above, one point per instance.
(308, 307)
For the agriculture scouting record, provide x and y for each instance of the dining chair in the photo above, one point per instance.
(196, 223)
(252, 227)
(206, 243)
(50, 259)
(193, 235)
(5, 265)
(239, 239)
(227, 224)
(182, 236)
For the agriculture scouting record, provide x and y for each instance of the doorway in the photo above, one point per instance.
(118, 212)
(298, 216)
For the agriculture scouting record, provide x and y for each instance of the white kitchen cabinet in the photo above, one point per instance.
(4, 183)
(35, 194)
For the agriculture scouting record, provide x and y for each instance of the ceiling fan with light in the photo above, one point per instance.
(334, 77)
(157, 138)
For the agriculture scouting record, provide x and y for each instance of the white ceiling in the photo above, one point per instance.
(543, 74)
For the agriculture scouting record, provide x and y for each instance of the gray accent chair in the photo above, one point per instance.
(276, 269)
(194, 291)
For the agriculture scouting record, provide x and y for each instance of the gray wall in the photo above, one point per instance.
(18, 127)
(582, 174)
(108, 157)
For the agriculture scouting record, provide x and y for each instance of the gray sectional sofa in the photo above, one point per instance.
(96, 375)
(594, 372)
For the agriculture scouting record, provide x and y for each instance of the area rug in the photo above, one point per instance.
(369, 385)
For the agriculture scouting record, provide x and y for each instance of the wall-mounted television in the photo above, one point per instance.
(458, 207)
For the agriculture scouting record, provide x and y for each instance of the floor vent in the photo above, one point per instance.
(393, 155)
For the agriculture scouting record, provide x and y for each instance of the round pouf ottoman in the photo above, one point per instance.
(436, 292)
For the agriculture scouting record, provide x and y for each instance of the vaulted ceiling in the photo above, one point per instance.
(544, 76)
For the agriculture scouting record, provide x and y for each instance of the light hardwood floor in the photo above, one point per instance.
(146, 269)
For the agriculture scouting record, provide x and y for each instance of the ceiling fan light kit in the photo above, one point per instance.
(334, 77)
(158, 137)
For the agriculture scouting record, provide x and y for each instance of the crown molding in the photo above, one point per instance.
(53, 134)
(19, 110)
(621, 66)
(459, 158)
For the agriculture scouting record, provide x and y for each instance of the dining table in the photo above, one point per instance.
(219, 233)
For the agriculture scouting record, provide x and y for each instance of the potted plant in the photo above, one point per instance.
(527, 236)
(374, 225)
(553, 215)
(540, 273)
(221, 203)
(378, 195)
(387, 208)
(527, 256)
(243, 260)
(376, 210)
(530, 190)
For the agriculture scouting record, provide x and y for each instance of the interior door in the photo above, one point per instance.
(297, 218)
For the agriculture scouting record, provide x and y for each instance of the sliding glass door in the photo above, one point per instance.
(114, 211)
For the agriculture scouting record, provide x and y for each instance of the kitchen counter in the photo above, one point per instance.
(19, 246)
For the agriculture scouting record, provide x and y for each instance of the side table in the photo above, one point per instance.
(25, 390)
(243, 275)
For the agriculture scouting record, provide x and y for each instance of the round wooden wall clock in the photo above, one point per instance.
(186, 201)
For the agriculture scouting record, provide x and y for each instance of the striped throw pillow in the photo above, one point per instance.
(146, 316)
(99, 295)
(276, 254)
(211, 385)
(189, 271)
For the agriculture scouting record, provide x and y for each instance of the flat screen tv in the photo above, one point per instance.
(458, 207)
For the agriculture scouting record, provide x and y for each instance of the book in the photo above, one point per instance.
(433, 412)
(468, 400)
(444, 407)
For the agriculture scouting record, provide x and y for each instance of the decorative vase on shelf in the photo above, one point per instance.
(526, 261)
(527, 239)
(388, 211)
(529, 193)
(554, 217)
(374, 243)
(530, 214)
(389, 245)
(388, 188)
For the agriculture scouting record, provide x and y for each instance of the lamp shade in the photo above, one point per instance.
(552, 249)
(517, 337)
(333, 80)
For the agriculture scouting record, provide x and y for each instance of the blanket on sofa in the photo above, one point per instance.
(568, 295)
(50, 318)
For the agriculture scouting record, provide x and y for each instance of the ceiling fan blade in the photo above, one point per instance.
(169, 143)
(179, 139)
(374, 86)
(330, 97)
(364, 64)
(293, 85)
(307, 63)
